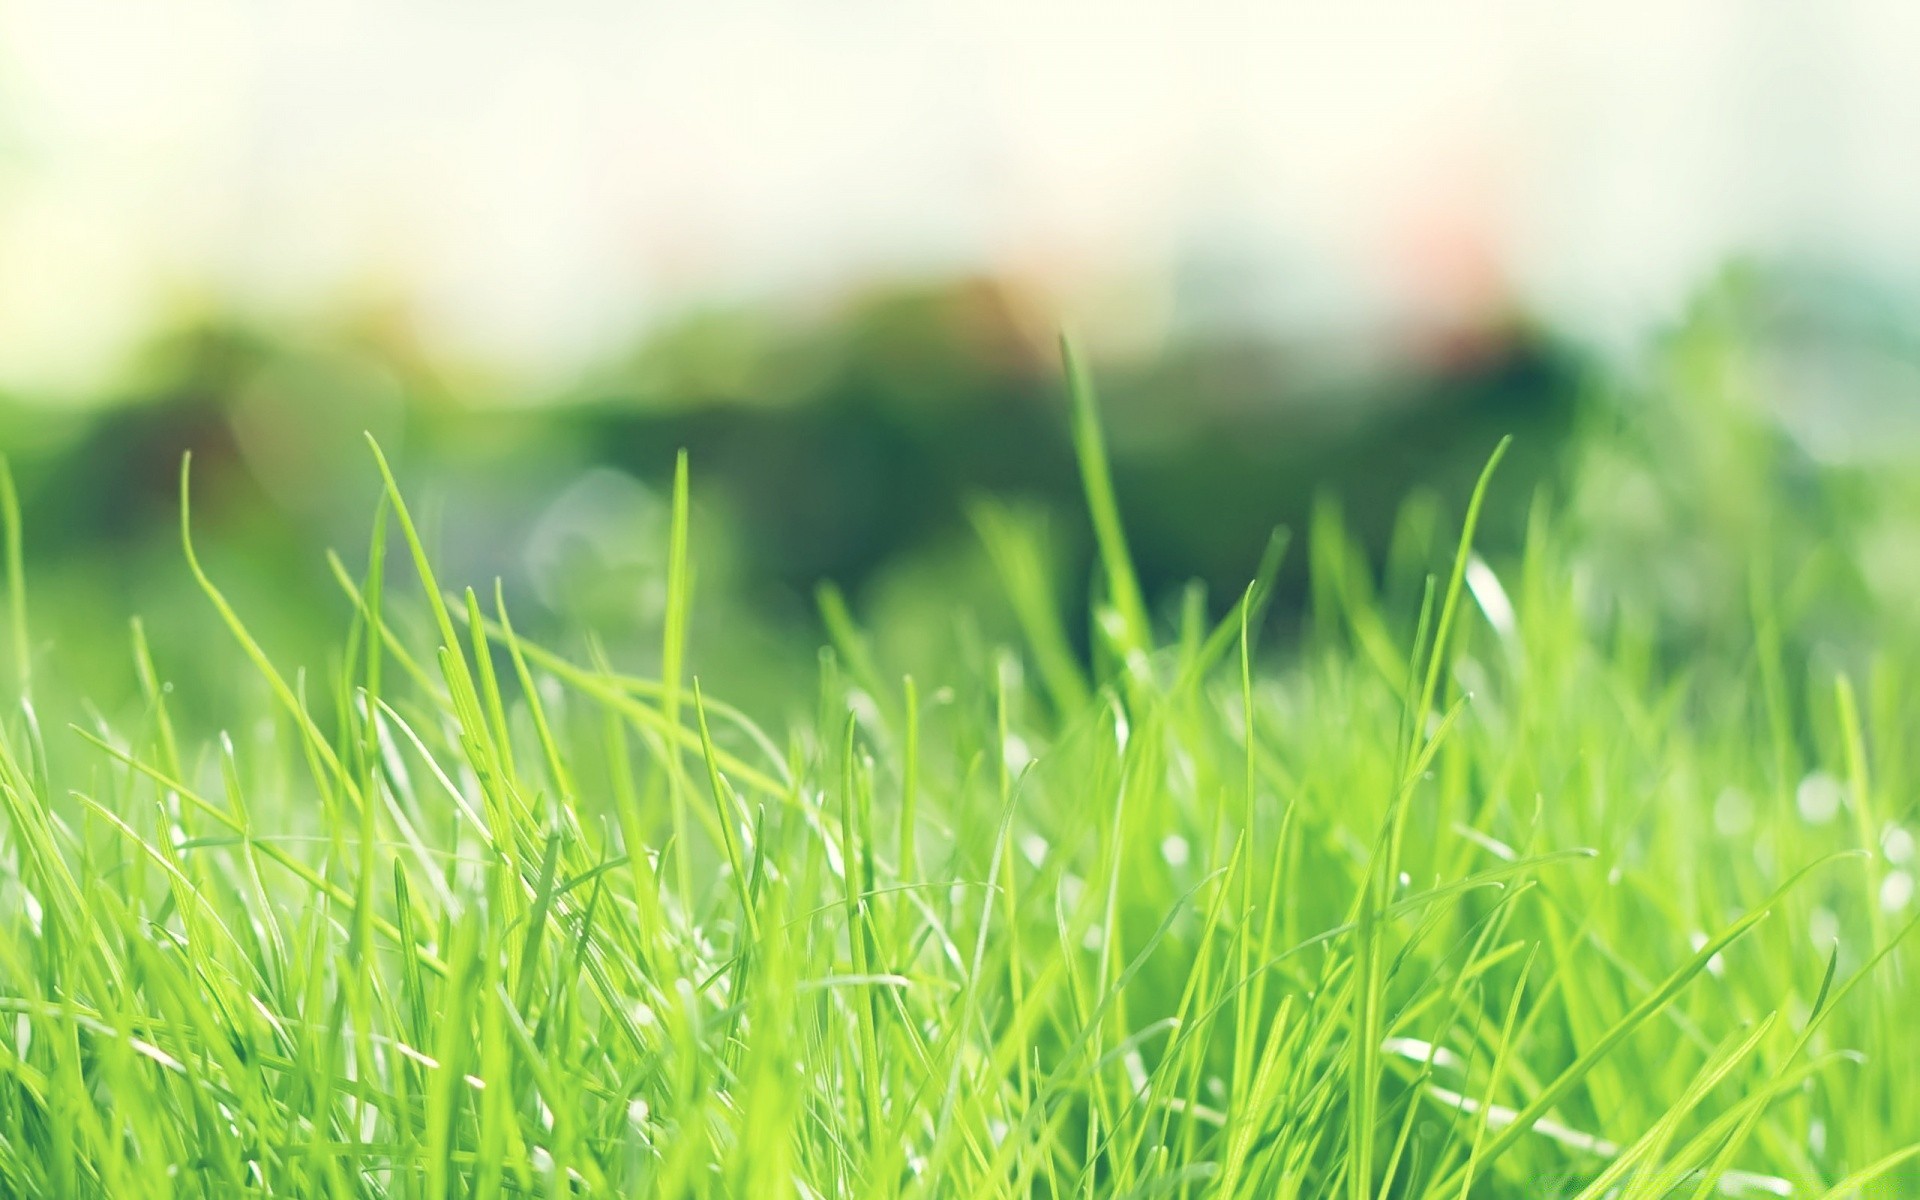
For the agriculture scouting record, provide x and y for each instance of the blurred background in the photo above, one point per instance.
(1316, 254)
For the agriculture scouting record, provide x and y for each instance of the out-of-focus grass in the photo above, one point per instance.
(1581, 869)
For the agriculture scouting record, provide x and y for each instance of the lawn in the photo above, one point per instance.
(1582, 870)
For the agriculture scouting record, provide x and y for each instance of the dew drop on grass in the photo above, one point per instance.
(1136, 1067)
(1717, 965)
(1897, 845)
(1017, 753)
(1492, 598)
(1818, 798)
(863, 708)
(1732, 813)
(1825, 928)
(1896, 892)
(1175, 850)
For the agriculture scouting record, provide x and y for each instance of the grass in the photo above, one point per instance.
(1501, 882)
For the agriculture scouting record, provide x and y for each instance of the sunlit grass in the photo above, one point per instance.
(1477, 893)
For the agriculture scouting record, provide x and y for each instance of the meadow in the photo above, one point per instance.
(1585, 868)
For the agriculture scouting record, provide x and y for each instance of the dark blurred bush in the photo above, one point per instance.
(826, 446)
(836, 447)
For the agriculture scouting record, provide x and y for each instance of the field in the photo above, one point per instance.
(1585, 868)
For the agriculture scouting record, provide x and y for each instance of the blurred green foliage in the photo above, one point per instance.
(855, 448)
(844, 446)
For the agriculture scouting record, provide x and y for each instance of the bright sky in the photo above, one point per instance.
(537, 181)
